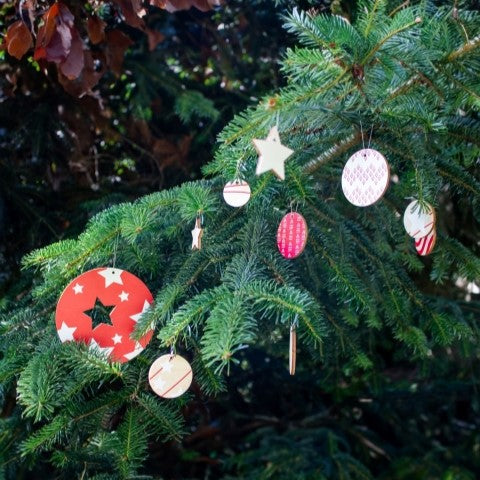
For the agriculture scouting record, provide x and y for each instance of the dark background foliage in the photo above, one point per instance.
(64, 158)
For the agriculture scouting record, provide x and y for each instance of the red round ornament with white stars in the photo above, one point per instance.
(129, 298)
(365, 177)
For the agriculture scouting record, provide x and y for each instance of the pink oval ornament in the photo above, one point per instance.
(365, 177)
(292, 235)
(424, 245)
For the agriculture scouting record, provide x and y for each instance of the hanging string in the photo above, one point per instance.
(370, 139)
(115, 248)
(239, 164)
(361, 131)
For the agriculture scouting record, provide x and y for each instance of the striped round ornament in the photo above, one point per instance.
(418, 221)
(424, 245)
(236, 193)
(292, 235)
(170, 376)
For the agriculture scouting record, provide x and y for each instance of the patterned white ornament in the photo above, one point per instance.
(365, 177)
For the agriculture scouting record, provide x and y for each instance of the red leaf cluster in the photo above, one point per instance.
(174, 5)
(59, 41)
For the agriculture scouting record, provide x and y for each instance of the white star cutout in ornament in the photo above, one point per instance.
(117, 338)
(66, 333)
(138, 349)
(112, 275)
(159, 383)
(272, 154)
(137, 316)
(197, 234)
(124, 296)
(78, 288)
(94, 346)
(167, 367)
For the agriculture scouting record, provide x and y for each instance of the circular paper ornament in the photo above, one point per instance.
(418, 222)
(236, 193)
(292, 235)
(170, 376)
(365, 177)
(112, 287)
(424, 245)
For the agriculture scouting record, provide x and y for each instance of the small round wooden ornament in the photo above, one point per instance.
(236, 193)
(127, 297)
(292, 235)
(170, 376)
(419, 222)
(424, 245)
(365, 177)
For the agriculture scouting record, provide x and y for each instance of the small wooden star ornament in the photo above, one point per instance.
(272, 154)
(197, 234)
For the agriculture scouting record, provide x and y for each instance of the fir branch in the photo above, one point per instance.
(333, 152)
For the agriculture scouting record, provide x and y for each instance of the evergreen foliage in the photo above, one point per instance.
(407, 76)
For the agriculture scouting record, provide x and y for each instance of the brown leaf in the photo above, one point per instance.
(117, 44)
(54, 38)
(96, 29)
(154, 38)
(72, 66)
(170, 154)
(132, 11)
(89, 76)
(174, 5)
(18, 39)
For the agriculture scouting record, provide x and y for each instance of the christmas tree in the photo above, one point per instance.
(371, 314)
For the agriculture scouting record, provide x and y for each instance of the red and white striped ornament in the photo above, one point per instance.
(365, 177)
(170, 376)
(236, 193)
(424, 245)
(419, 221)
(292, 235)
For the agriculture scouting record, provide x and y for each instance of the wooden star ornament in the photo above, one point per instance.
(272, 154)
(197, 234)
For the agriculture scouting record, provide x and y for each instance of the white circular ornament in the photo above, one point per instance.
(170, 376)
(418, 222)
(365, 177)
(236, 193)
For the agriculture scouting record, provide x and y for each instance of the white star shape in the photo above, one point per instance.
(272, 154)
(112, 275)
(167, 367)
(78, 288)
(117, 339)
(94, 346)
(197, 234)
(66, 333)
(138, 349)
(158, 383)
(137, 316)
(124, 296)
